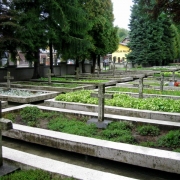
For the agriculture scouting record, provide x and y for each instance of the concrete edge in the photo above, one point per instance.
(29, 161)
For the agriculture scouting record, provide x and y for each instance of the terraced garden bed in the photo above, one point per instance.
(124, 100)
(120, 131)
(147, 91)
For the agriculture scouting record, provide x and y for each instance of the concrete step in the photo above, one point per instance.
(29, 161)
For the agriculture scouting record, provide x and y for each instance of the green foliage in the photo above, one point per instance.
(27, 175)
(72, 126)
(156, 37)
(148, 130)
(31, 175)
(122, 33)
(10, 116)
(70, 80)
(120, 125)
(148, 144)
(146, 91)
(118, 132)
(171, 139)
(124, 100)
(177, 150)
(30, 115)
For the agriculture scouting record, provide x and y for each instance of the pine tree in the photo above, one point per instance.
(150, 40)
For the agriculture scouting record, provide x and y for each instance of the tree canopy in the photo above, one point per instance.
(152, 41)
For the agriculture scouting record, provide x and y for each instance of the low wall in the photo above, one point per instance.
(26, 73)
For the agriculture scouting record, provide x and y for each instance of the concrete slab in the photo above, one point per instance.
(4, 104)
(7, 168)
(29, 161)
(23, 85)
(100, 125)
(32, 98)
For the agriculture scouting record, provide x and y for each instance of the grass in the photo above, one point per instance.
(31, 175)
(75, 80)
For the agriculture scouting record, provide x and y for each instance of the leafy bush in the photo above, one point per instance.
(30, 115)
(171, 139)
(148, 130)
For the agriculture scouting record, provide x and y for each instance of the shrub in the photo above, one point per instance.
(120, 125)
(148, 130)
(30, 115)
(171, 139)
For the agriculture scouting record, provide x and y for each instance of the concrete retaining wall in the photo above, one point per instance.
(141, 156)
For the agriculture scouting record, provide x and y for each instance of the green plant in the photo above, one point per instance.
(171, 139)
(124, 100)
(176, 150)
(148, 130)
(10, 116)
(117, 135)
(72, 126)
(120, 126)
(31, 175)
(148, 144)
(30, 115)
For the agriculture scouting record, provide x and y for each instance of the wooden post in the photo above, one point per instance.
(141, 87)
(49, 74)
(5, 124)
(101, 95)
(162, 82)
(77, 73)
(173, 75)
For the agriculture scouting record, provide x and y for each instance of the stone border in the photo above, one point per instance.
(29, 161)
(34, 98)
(49, 88)
(4, 104)
(165, 116)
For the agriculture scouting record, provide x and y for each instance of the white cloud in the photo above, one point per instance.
(122, 12)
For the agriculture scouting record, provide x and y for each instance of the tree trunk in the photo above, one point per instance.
(93, 56)
(98, 61)
(83, 66)
(51, 56)
(36, 74)
(76, 65)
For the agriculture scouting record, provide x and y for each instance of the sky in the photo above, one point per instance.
(121, 10)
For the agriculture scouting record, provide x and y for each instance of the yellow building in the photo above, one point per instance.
(119, 55)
